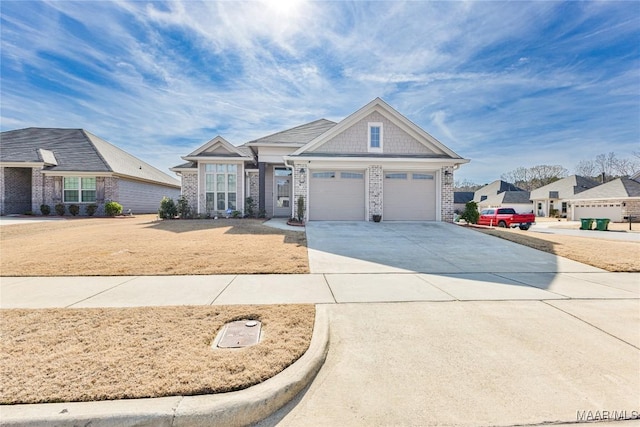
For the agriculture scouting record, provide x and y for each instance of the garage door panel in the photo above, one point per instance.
(337, 196)
(614, 213)
(409, 196)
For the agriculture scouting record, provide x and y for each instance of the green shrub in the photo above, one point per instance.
(470, 214)
(554, 213)
(60, 208)
(168, 209)
(262, 213)
(91, 209)
(183, 208)
(45, 209)
(74, 210)
(236, 214)
(300, 210)
(250, 207)
(112, 209)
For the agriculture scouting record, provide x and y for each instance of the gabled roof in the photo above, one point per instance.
(519, 197)
(460, 197)
(75, 150)
(381, 107)
(297, 136)
(218, 147)
(496, 187)
(620, 188)
(563, 188)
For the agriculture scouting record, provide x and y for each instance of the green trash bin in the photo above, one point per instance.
(602, 224)
(587, 223)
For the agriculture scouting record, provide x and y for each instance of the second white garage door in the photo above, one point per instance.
(409, 196)
(337, 196)
(612, 211)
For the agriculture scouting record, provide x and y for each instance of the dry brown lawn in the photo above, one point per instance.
(144, 246)
(610, 255)
(63, 355)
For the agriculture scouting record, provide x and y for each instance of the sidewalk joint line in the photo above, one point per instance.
(532, 286)
(335, 301)
(590, 324)
(235, 276)
(420, 276)
(101, 292)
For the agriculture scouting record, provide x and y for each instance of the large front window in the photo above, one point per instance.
(221, 186)
(79, 190)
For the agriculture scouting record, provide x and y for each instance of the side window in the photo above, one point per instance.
(375, 137)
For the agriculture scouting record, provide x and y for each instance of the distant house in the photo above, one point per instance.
(460, 200)
(72, 166)
(518, 200)
(373, 163)
(496, 187)
(555, 196)
(615, 200)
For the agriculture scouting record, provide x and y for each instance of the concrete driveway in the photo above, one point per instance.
(423, 247)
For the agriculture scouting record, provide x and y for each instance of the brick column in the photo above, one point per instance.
(375, 190)
(447, 194)
(262, 176)
(300, 187)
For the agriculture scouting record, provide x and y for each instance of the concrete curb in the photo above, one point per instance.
(238, 408)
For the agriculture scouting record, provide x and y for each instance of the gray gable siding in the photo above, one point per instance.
(353, 140)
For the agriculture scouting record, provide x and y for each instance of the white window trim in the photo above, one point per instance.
(79, 190)
(369, 147)
(215, 191)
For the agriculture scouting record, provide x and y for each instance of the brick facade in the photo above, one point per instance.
(190, 189)
(254, 189)
(300, 186)
(376, 186)
(447, 208)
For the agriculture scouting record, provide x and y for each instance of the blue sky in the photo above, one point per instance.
(505, 84)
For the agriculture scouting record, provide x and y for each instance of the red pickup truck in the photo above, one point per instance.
(506, 217)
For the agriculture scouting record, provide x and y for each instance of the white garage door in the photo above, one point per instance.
(613, 211)
(336, 196)
(409, 196)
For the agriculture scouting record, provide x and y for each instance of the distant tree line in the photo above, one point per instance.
(603, 168)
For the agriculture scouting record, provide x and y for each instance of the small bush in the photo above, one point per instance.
(74, 210)
(250, 207)
(28, 213)
(470, 214)
(45, 209)
(60, 209)
(236, 214)
(262, 213)
(112, 209)
(554, 213)
(300, 210)
(168, 209)
(92, 209)
(183, 208)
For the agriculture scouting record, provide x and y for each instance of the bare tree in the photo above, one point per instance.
(466, 185)
(626, 166)
(586, 168)
(535, 177)
(609, 165)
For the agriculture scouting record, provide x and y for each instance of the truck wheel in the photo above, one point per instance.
(524, 227)
(502, 224)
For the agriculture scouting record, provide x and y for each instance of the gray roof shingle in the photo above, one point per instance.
(620, 188)
(76, 150)
(298, 135)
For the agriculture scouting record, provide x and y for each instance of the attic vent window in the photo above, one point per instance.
(375, 137)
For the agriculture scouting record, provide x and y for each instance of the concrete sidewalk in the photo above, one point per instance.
(131, 291)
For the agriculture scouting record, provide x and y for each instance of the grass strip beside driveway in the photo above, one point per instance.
(68, 355)
(144, 246)
(610, 255)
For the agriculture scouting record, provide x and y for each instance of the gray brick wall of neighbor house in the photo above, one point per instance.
(632, 207)
(190, 189)
(447, 196)
(375, 190)
(16, 190)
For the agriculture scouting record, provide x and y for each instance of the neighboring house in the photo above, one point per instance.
(374, 162)
(555, 195)
(72, 166)
(460, 200)
(493, 189)
(615, 200)
(518, 200)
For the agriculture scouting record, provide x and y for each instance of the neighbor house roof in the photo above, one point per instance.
(74, 150)
(621, 188)
(299, 135)
(494, 188)
(461, 197)
(520, 197)
(563, 188)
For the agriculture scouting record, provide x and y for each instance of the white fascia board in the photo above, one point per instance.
(77, 173)
(363, 163)
(278, 144)
(595, 199)
(22, 164)
(374, 160)
(214, 159)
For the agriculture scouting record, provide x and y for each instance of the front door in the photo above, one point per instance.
(282, 192)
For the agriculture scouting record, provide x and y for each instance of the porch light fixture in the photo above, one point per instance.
(302, 175)
(448, 177)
